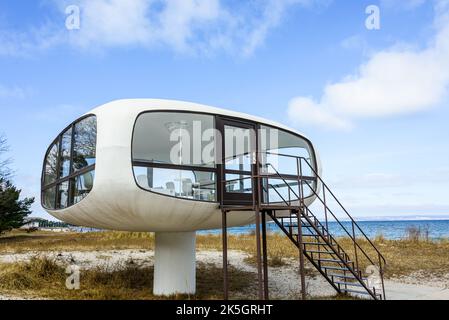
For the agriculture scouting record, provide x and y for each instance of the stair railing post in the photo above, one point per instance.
(381, 270)
(265, 257)
(255, 179)
(225, 254)
(301, 257)
(355, 248)
(300, 239)
(300, 186)
(325, 210)
(259, 254)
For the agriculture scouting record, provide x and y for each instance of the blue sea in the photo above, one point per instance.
(393, 230)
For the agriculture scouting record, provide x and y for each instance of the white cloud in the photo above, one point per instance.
(27, 44)
(57, 114)
(13, 92)
(402, 4)
(303, 111)
(182, 25)
(392, 82)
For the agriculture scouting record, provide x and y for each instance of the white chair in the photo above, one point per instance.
(88, 180)
(187, 188)
(142, 180)
(170, 187)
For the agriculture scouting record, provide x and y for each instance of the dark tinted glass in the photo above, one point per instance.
(66, 145)
(62, 183)
(85, 141)
(49, 198)
(82, 185)
(63, 195)
(51, 165)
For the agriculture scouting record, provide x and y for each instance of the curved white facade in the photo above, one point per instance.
(116, 201)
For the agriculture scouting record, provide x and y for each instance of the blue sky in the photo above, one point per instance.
(374, 102)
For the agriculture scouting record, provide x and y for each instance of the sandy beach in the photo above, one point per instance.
(283, 280)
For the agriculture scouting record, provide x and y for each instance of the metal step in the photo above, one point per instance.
(344, 276)
(355, 291)
(353, 284)
(334, 260)
(315, 243)
(307, 235)
(310, 226)
(317, 251)
(303, 225)
(335, 268)
(319, 243)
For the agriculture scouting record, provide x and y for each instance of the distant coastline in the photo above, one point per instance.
(389, 229)
(405, 218)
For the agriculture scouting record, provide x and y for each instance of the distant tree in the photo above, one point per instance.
(5, 171)
(13, 211)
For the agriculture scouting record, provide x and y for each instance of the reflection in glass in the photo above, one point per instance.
(63, 195)
(238, 148)
(276, 147)
(236, 183)
(49, 196)
(196, 185)
(66, 145)
(175, 138)
(85, 140)
(51, 165)
(73, 151)
(82, 185)
(278, 190)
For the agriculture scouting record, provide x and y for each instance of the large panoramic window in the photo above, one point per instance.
(69, 166)
(174, 154)
(287, 155)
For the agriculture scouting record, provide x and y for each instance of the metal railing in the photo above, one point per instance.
(357, 245)
(312, 181)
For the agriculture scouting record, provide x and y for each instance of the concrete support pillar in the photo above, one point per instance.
(174, 263)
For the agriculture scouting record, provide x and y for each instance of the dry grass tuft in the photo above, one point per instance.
(414, 233)
(403, 256)
(20, 241)
(34, 274)
(45, 278)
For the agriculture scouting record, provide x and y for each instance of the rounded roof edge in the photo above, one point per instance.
(142, 104)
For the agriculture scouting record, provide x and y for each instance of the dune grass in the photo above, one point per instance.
(18, 241)
(403, 256)
(44, 278)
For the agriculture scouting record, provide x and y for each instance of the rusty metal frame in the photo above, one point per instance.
(301, 211)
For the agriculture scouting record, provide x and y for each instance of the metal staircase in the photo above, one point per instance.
(356, 268)
(325, 254)
(348, 260)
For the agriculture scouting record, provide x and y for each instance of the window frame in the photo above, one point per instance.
(72, 173)
(149, 164)
(215, 169)
(55, 143)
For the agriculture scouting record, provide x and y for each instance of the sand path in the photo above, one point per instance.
(283, 281)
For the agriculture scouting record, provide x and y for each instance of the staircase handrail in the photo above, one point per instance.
(381, 258)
